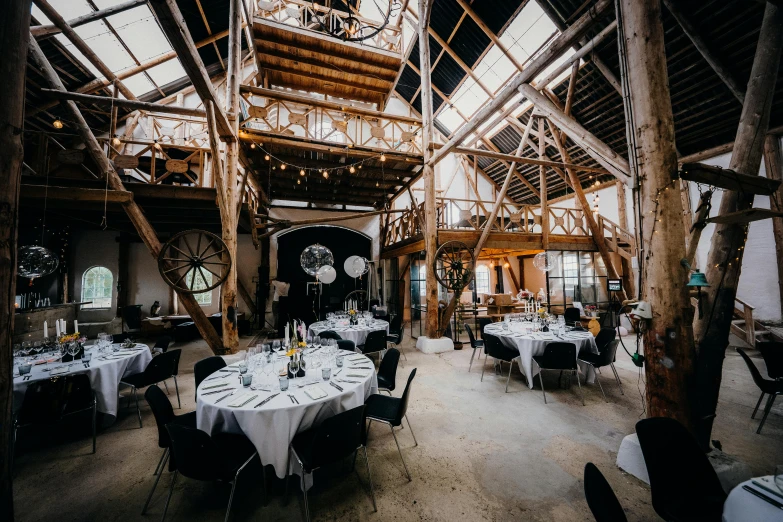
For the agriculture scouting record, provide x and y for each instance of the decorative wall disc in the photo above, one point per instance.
(36, 261)
(454, 265)
(314, 257)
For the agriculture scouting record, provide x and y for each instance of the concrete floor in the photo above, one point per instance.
(483, 454)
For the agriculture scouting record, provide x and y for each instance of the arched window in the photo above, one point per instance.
(97, 287)
(482, 279)
(203, 280)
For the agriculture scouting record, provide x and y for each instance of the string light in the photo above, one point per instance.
(302, 172)
(282, 166)
(252, 145)
(299, 182)
(57, 124)
(116, 141)
(325, 175)
(352, 170)
(266, 157)
(383, 157)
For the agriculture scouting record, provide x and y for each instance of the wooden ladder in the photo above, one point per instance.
(744, 326)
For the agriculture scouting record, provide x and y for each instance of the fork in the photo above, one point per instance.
(293, 399)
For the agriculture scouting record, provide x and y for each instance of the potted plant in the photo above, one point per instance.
(460, 320)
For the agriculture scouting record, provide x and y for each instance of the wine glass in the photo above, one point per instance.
(276, 345)
(294, 366)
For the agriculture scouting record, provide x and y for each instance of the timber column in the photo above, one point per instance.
(430, 210)
(668, 342)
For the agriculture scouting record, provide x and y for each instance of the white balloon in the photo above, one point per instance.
(360, 265)
(327, 274)
(350, 267)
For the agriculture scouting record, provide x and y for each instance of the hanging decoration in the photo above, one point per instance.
(353, 28)
(314, 257)
(361, 265)
(36, 261)
(545, 261)
(325, 172)
(351, 268)
(326, 274)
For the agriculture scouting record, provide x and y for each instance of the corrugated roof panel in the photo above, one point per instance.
(409, 83)
(447, 75)
(469, 42)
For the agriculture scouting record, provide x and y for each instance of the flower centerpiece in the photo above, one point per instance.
(592, 310)
(353, 316)
(542, 313)
(71, 338)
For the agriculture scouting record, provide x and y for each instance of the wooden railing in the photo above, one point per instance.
(332, 22)
(744, 312)
(471, 215)
(292, 115)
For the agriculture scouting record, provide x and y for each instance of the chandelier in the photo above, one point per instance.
(354, 28)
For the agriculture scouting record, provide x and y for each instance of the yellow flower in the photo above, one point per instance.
(302, 344)
(290, 352)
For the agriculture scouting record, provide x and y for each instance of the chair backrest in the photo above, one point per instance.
(195, 453)
(338, 437)
(44, 402)
(400, 335)
(572, 314)
(162, 367)
(206, 367)
(680, 473)
(482, 322)
(470, 335)
(329, 334)
(772, 352)
(604, 337)
(395, 325)
(162, 410)
(346, 344)
(607, 354)
(601, 498)
(404, 399)
(163, 343)
(762, 383)
(559, 356)
(494, 347)
(78, 393)
(375, 342)
(388, 366)
(120, 337)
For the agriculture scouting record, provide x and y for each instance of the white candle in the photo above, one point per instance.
(286, 334)
(63, 329)
(57, 327)
(46, 330)
(75, 326)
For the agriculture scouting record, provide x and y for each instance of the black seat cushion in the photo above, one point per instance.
(234, 449)
(383, 408)
(392, 338)
(137, 380)
(384, 383)
(479, 343)
(589, 357)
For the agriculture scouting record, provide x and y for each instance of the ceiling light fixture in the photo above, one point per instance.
(57, 124)
(352, 28)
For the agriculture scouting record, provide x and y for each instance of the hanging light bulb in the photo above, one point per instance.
(596, 183)
(352, 26)
(383, 157)
(597, 198)
(506, 264)
(299, 182)
(116, 141)
(266, 157)
(492, 263)
(57, 124)
(352, 169)
(252, 145)
(325, 175)
(302, 172)
(376, 184)
(282, 166)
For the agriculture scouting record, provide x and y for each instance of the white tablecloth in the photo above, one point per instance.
(272, 427)
(357, 334)
(534, 344)
(741, 506)
(104, 375)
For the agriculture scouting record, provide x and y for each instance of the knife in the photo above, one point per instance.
(266, 400)
(250, 399)
(762, 496)
(229, 394)
(336, 386)
(212, 392)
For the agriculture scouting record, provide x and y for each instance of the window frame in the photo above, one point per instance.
(85, 286)
(484, 270)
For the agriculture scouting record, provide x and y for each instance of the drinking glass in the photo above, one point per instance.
(326, 373)
(779, 476)
(283, 383)
(294, 366)
(276, 345)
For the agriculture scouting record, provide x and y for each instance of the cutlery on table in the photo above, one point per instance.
(762, 496)
(213, 392)
(293, 399)
(336, 386)
(352, 382)
(229, 394)
(338, 372)
(266, 400)
(250, 399)
(217, 377)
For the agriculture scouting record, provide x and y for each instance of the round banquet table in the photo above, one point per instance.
(742, 505)
(105, 372)
(529, 345)
(357, 334)
(271, 427)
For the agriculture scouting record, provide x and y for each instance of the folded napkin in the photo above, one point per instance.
(315, 392)
(58, 371)
(241, 400)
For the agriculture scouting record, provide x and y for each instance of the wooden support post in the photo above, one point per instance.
(773, 165)
(42, 31)
(230, 217)
(511, 274)
(724, 262)
(668, 341)
(430, 212)
(246, 297)
(698, 222)
(14, 35)
(629, 283)
(132, 209)
(542, 185)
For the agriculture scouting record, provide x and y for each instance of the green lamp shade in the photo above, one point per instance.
(698, 279)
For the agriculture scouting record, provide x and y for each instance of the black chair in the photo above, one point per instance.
(482, 323)
(335, 439)
(562, 357)
(391, 410)
(604, 337)
(767, 386)
(475, 344)
(387, 371)
(346, 344)
(48, 402)
(495, 348)
(206, 367)
(164, 415)
(599, 360)
(163, 343)
(162, 367)
(198, 456)
(600, 497)
(120, 338)
(329, 334)
(772, 352)
(375, 343)
(572, 315)
(683, 483)
(397, 334)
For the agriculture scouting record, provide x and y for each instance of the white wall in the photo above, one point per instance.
(89, 249)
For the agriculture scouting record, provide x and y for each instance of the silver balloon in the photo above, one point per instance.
(36, 261)
(545, 261)
(314, 257)
(361, 265)
(326, 274)
(350, 268)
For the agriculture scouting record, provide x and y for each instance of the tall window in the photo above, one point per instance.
(482, 279)
(203, 280)
(97, 287)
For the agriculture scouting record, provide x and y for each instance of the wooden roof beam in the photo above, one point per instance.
(43, 31)
(512, 158)
(128, 104)
(173, 24)
(558, 46)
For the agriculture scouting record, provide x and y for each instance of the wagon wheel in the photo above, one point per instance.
(453, 265)
(187, 258)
